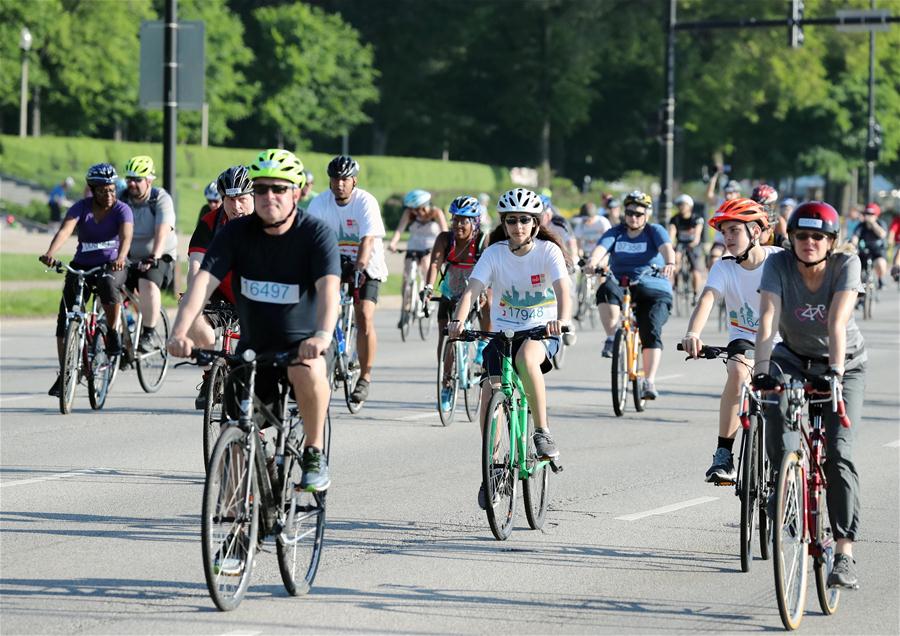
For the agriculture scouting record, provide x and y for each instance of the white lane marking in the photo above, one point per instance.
(16, 398)
(74, 473)
(894, 444)
(672, 508)
(419, 416)
(240, 633)
(669, 377)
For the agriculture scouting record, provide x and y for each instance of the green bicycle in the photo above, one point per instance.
(507, 449)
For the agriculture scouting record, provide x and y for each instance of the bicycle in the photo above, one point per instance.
(416, 311)
(250, 495)
(507, 449)
(84, 348)
(456, 366)
(586, 303)
(152, 365)
(683, 292)
(228, 334)
(801, 528)
(752, 483)
(869, 284)
(346, 363)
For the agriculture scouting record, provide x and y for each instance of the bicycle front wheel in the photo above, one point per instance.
(214, 411)
(100, 367)
(230, 521)
(153, 365)
(637, 388)
(824, 562)
(560, 358)
(789, 541)
(762, 488)
(747, 492)
(497, 467)
(71, 367)
(472, 393)
(619, 372)
(447, 378)
(536, 487)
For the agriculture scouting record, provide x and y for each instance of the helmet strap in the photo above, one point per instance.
(743, 256)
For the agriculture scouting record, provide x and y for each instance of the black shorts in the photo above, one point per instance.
(161, 275)
(694, 256)
(740, 347)
(370, 287)
(652, 307)
(446, 308)
(493, 358)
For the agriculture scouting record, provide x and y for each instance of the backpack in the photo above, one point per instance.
(154, 198)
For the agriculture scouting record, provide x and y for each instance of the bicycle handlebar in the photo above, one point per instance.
(203, 357)
(535, 333)
(706, 351)
(61, 267)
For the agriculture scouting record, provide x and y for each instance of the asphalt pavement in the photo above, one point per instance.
(100, 511)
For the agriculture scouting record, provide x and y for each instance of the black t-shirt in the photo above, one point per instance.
(274, 277)
(684, 227)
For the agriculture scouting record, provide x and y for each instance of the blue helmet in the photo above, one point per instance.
(466, 206)
(546, 202)
(416, 199)
(101, 174)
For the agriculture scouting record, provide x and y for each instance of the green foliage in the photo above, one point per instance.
(30, 302)
(22, 267)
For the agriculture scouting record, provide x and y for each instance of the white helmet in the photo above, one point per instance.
(520, 200)
(684, 198)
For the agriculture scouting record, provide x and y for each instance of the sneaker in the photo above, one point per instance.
(482, 498)
(446, 398)
(770, 510)
(722, 470)
(227, 560)
(843, 574)
(648, 391)
(361, 392)
(56, 389)
(200, 400)
(315, 470)
(568, 339)
(544, 446)
(148, 341)
(607, 348)
(479, 352)
(113, 344)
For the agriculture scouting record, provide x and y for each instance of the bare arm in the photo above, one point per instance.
(441, 219)
(404, 222)
(711, 188)
(563, 293)
(194, 261)
(126, 231)
(839, 314)
(159, 239)
(193, 302)
(668, 254)
(473, 290)
(366, 246)
(328, 291)
(769, 316)
(598, 256)
(697, 322)
(437, 259)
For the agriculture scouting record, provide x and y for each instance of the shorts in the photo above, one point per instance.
(493, 358)
(446, 308)
(105, 284)
(370, 287)
(161, 275)
(694, 256)
(741, 347)
(652, 308)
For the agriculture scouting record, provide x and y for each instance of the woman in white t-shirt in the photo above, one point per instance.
(526, 268)
(736, 278)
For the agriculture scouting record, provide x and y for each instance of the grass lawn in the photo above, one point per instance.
(30, 302)
(24, 267)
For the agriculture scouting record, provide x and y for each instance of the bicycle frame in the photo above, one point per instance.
(628, 323)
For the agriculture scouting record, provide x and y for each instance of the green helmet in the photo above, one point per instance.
(140, 166)
(278, 163)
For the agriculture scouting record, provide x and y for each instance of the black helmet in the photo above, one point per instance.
(343, 166)
(101, 174)
(234, 182)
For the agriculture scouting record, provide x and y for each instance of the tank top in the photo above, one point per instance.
(460, 261)
(422, 235)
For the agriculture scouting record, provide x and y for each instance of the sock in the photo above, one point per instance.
(725, 442)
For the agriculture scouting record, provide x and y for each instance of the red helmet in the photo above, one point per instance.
(764, 194)
(815, 215)
(873, 208)
(740, 209)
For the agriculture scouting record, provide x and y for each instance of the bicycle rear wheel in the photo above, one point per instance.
(447, 364)
(425, 322)
(230, 521)
(71, 367)
(824, 563)
(536, 487)
(214, 411)
(299, 544)
(762, 488)
(789, 541)
(472, 392)
(153, 365)
(100, 367)
(637, 388)
(497, 472)
(747, 493)
(619, 372)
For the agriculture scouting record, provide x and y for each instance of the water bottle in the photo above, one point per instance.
(129, 320)
(339, 337)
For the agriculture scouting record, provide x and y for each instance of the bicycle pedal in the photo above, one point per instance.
(723, 483)
(555, 466)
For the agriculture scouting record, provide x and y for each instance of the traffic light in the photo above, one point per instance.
(795, 25)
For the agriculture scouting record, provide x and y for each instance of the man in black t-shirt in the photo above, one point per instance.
(286, 278)
(686, 232)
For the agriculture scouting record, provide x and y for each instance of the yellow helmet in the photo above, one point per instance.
(140, 166)
(278, 163)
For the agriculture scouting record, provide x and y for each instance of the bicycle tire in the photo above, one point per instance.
(535, 487)
(498, 477)
(763, 488)
(829, 598)
(153, 365)
(214, 411)
(225, 520)
(636, 389)
(405, 320)
(71, 367)
(472, 392)
(447, 349)
(304, 517)
(351, 363)
(747, 494)
(619, 372)
(868, 301)
(789, 536)
(99, 367)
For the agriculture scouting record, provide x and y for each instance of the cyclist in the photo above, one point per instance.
(307, 194)
(869, 237)
(486, 222)
(354, 215)
(286, 277)
(613, 211)
(732, 190)
(425, 222)
(686, 232)
(155, 243)
(734, 278)
(104, 227)
(633, 248)
(784, 212)
(526, 266)
(767, 196)
(236, 190)
(588, 228)
(454, 254)
(558, 224)
(807, 295)
(213, 200)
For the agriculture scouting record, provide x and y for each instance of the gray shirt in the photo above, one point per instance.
(804, 314)
(145, 223)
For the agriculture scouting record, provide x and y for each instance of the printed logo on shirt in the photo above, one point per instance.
(537, 279)
(811, 313)
(631, 248)
(350, 222)
(516, 307)
(745, 319)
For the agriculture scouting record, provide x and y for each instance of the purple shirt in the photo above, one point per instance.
(98, 242)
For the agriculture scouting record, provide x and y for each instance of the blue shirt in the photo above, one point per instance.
(633, 257)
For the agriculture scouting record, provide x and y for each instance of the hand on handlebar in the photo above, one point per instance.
(692, 345)
(454, 328)
(669, 270)
(765, 382)
(180, 347)
(48, 260)
(148, 263)
(555, 327)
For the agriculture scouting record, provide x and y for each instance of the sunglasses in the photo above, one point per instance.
(134, 179)
(518, 220)
(805, 236)
(635, 213)
(262, 189)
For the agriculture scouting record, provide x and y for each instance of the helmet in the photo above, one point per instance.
(416, 199)
(547, 203)
(466, 206)
(764, 194)
(101, 174)
(789, 203)
(613, 203)
(873, 208)
(733, 186)
(234, 182)
(815, 215)
(278, 163)
(684, 198)
(211, 192)
(520, 200)
(740, 209)
(69, 182)
(140, 166)
(310, 178)
(636, 197)
(343, 166)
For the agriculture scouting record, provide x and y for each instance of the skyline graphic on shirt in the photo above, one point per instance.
(516, 300)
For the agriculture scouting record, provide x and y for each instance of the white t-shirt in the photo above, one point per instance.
(351, 223)
(523, 285)
(740, 287)
(587, 234)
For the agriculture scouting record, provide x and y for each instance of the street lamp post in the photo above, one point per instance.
(25, 45)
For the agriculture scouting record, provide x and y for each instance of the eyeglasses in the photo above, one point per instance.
(805, 236)
(263, 188)
(461, 220)
(134, 179)
(518, 220)
(634, 213)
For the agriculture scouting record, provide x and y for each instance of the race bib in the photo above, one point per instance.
(94, 247)
(266, 292)
(631, 248)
